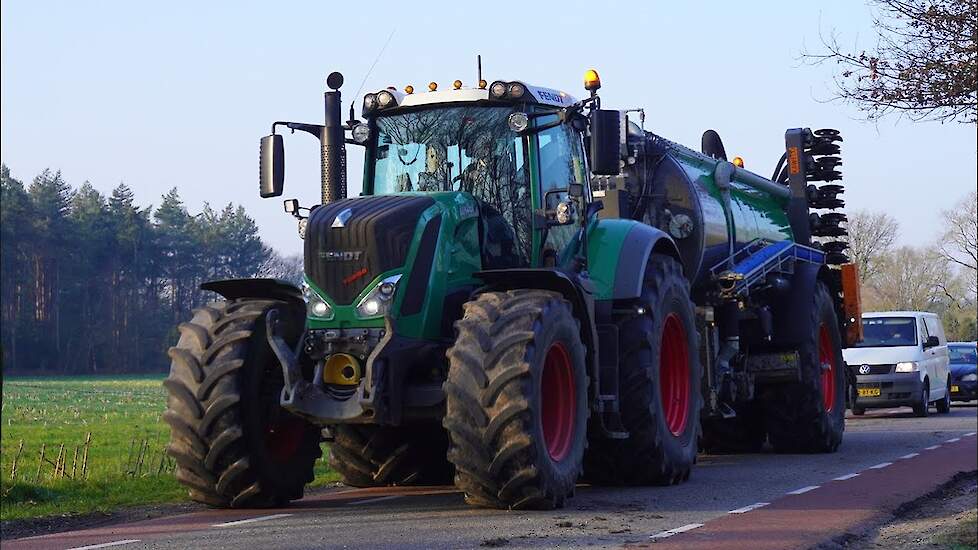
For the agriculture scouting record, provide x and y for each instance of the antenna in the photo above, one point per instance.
(374, 64)
(478, 60)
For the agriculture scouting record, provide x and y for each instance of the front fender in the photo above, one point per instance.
(273, 289)
(618, 251)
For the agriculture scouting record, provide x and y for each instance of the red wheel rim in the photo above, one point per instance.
(559, 402)
(826, 360)
(282, 438)
(674, 374)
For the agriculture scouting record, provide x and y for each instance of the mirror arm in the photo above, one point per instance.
(316, 130)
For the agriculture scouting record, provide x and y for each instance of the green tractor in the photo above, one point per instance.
(530, 291)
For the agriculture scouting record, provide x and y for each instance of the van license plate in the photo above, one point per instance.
(955, 389)
(870, 392)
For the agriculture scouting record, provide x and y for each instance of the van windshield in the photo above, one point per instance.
(885, 332)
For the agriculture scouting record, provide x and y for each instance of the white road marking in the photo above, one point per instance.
(803, 490)
(746, 509)
(676, 531)
(969, 434)
(931, 448)
(880, 466)
(250, 520)
(105, 545)
(378, 499)
(845, 477)
(953, 439)
(911, 455)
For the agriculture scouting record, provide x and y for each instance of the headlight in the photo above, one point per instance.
(518, 122)
(909, 366)
(369, 103)
(315, 305)
(969, 377)
(361, 133)
(385, 99)
(378, 301)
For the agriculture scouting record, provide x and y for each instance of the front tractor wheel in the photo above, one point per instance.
(233, 444)
(517, 400)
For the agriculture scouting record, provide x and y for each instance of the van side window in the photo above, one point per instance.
(924, 333)
(934, 329)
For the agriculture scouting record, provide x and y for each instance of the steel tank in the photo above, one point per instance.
(709, 219)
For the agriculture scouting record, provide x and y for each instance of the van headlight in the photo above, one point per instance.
(969, 377)
(907, 366)
(315, 305)
(378, 301)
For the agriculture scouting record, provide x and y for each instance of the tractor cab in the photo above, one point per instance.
(504, 146)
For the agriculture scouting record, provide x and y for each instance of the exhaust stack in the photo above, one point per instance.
(333, 143)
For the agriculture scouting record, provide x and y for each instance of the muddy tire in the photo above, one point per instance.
(516, 396)
(743, 433)
(660, 387)
(378, 456)
(809, 416)
(233, 444)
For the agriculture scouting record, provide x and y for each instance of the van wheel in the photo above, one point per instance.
(944, 405)
(921, 408)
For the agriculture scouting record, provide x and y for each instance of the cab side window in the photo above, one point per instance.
(561, 162)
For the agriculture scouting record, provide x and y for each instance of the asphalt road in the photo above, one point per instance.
(596, 517)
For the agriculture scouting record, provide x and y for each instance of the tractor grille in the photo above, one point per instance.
(375, 236)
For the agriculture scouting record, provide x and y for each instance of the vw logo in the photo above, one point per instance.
(864, 369)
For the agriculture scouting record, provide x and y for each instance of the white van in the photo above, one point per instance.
(902, 361)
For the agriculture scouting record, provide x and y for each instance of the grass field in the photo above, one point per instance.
(125, 465)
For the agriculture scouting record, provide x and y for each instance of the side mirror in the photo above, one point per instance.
(271, 166)
(931, 342)
(605, 142)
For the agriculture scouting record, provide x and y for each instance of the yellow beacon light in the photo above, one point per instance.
(738, 162)
(591, 80)
(457, 84)
(432, 86)
(409, 89)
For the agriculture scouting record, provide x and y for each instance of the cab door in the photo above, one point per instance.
(938, 357)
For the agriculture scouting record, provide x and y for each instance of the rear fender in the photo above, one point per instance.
(618, 251)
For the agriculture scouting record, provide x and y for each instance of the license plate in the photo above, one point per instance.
(955, 389)
(870, 392)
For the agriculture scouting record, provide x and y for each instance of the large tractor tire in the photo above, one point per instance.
(378, 456)
(743, 433)
(660, 387)
(516, 395)
(809, 416)
(233, 444)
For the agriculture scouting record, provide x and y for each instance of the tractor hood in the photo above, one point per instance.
(350, 242)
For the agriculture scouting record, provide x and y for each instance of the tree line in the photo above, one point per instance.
(97, 284)
(941, 277)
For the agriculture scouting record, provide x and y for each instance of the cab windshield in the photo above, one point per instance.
(882, 332)
(460, 148)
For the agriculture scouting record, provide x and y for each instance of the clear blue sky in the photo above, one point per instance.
(178, 93)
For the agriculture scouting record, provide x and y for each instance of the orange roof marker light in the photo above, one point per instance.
(432, 86)
(738, 162)
(457, 84)
(409, 89)
(483, 84)
(592, 82)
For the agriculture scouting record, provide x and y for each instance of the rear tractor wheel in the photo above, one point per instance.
(660, 380)
(233, 444)
(516, 395)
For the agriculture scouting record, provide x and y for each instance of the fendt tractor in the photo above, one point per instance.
(530, 291)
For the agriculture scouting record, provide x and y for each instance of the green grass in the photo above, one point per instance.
(117, 411)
